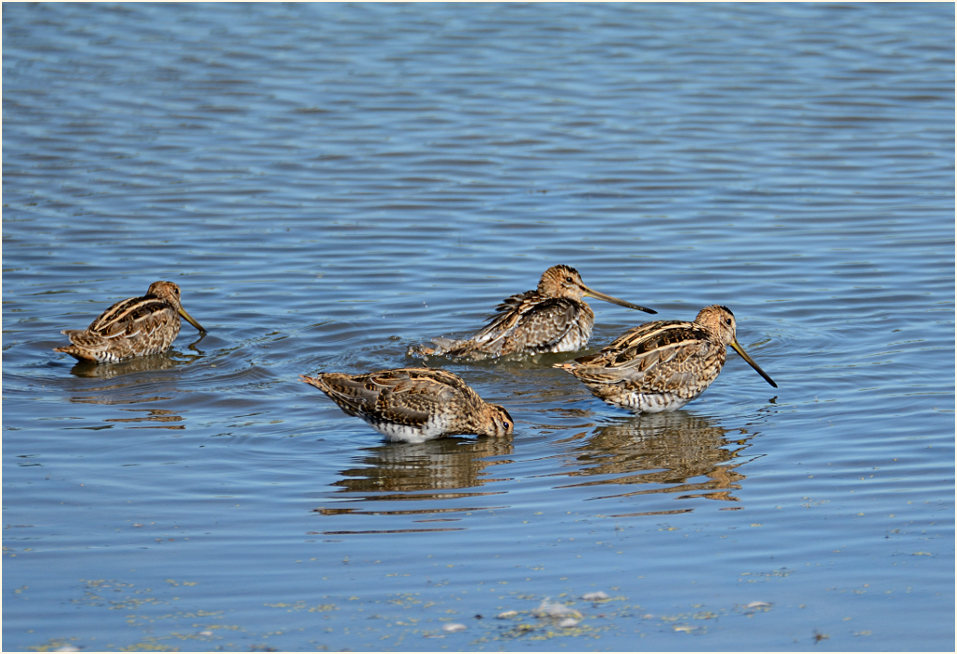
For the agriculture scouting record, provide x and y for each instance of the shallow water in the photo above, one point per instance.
(330, 184)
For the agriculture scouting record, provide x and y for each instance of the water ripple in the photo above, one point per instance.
(332, 183)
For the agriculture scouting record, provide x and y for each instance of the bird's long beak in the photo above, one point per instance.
(191, 320)
(607, 298)
(740, 350)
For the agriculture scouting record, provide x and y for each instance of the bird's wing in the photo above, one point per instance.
(660, 349)
(527, 321)
(133, 317)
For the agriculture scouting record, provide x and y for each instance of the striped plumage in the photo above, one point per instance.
(137, 326)
(414, 404)
(662, 365)
(551, 318)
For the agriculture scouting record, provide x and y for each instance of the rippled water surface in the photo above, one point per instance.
(330, 184)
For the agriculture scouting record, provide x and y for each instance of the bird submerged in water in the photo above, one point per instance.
(662, 365)
(551, 318)
(137, 326)
(414, 405)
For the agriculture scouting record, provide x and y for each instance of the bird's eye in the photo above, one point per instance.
(569, 280)
(727, 321)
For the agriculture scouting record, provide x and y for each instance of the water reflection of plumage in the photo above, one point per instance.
(149, 363)
(673, 452)
(439, 465)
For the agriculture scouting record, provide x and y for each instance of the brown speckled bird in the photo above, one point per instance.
(551, 318)
(413, 405)
(662, 365)
(137, 326)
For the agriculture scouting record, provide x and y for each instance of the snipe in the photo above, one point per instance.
(137, 326)
(414, 404)
(551, 318)
(662, 365)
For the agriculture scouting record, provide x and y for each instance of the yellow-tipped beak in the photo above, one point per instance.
(608, 298)
(740, 350)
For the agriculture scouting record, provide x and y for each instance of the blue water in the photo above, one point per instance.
(330, 184)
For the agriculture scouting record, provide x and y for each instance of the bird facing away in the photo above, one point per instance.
(137, 326)
(662, 365)
(414, 405)
(551, 318)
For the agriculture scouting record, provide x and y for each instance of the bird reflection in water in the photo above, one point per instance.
(135, 416)
(162, 361)
(447, 464)
(126, 382)
(675, 453)
(151, 419)
(426, 473)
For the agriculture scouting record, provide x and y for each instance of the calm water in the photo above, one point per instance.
(330, 184)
